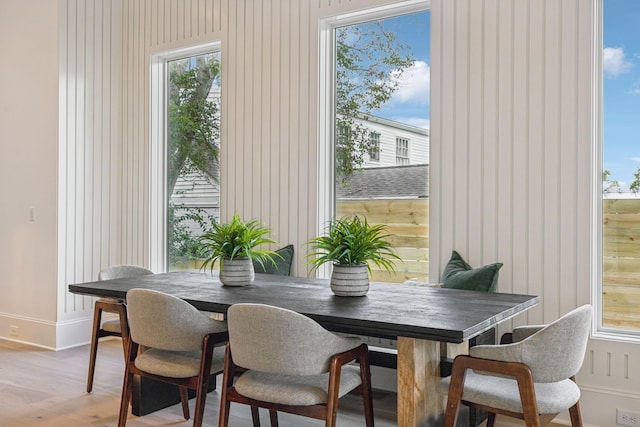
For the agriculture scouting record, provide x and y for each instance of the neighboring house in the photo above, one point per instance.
(392, 182)
(394, 143)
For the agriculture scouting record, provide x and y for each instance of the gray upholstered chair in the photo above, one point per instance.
(178, 342)
(288, 363)
(531, 378)
(114, 327)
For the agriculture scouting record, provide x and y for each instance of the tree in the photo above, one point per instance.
(193, 146)
(609, 186)
(635, 185)
(194, 122)
(369, 63)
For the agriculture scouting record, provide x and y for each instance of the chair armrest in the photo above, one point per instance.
(519, 371)
(357, 353)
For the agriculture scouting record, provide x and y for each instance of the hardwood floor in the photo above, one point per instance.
(47, 388)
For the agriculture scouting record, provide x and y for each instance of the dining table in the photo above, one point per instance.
(422, 319)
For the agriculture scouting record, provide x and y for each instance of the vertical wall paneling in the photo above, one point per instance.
(511, 132)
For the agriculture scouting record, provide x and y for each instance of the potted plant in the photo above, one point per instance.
(352, 245)
(234, 244)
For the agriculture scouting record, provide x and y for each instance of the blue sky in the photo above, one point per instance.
(410, 103)
(621, 88)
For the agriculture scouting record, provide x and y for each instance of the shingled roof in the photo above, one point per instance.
(410, 181)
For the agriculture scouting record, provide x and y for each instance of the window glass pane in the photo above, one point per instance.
(621, 173)
(193, 146)
(382, 133)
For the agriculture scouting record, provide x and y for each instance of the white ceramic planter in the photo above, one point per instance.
(236, 272)
(350, 280)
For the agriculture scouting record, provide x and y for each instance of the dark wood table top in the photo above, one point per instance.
(388, 311)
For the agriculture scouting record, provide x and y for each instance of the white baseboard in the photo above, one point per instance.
(45, 334)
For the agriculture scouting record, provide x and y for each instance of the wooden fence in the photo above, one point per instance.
(621, 263)
(407, 222)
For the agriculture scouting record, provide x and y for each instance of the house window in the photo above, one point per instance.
(617, 295)
(374, 86)
(402, 151)
(185, 167)
(374, 147)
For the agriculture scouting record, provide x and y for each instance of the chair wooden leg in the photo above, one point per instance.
(97, 315)
(255, 416)
(227, 381)
(332, 396)
(184, 399)
(576, 417)
(367, 393)
(125, 399)
(273, 417)
(491, 419)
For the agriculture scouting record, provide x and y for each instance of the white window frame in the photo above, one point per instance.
(600, 331)
(326, 100)
(374, 147)
(406, 158)
(158, 147)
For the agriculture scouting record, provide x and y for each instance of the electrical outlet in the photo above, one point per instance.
(627, 418)
(14, 330)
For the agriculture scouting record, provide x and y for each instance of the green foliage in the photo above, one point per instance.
(609, 186)
(236, 239)
(182, 244)
(194, 122)
(635, 185)
(369, 62)
(352, 241)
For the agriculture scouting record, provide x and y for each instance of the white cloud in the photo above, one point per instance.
(414, 84)
(614, 61)
(636, 159)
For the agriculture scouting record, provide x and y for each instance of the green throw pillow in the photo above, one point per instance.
(460, 275)
(283, 265)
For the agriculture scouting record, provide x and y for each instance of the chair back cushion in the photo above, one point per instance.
(122, 271)
(280, 341)
(166, 322)
(554, 353)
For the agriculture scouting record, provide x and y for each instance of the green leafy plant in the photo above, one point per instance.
(236, 239)
(352, 241)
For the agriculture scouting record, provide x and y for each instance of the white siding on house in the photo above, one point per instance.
(389, 131)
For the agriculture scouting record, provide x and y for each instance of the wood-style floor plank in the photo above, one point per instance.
(41, 388)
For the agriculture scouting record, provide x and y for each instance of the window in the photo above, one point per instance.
(402, 151)
(374, 88)
(617, 295)
(185, 135)
(374, 147)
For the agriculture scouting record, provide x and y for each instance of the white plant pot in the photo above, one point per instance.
(350, 280)
(236, 272)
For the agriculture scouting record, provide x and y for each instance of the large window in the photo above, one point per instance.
(619, 295)
(185, 166)
(379, 68)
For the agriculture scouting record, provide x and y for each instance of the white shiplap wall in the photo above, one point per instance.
(510, 135)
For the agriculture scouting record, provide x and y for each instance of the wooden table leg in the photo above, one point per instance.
(419, 403)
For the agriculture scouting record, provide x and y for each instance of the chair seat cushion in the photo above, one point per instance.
(176, 364)
(112, 326)
(502, 393)
(298, 390)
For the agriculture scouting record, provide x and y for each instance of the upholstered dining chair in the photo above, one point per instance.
(114, 327)
(530, 379)
(286, 362)
(178, 342)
